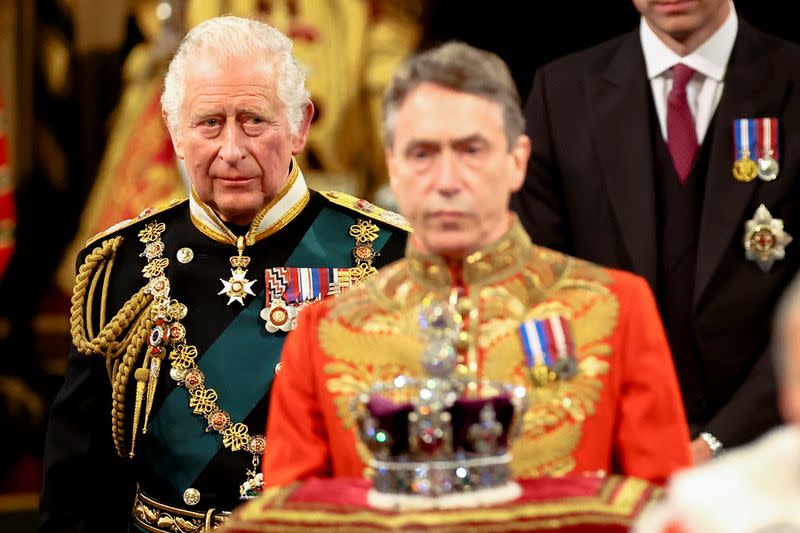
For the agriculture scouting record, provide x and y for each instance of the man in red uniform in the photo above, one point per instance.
(456, 152)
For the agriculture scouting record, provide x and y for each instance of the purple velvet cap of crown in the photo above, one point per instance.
(392, 418)
(466, 412)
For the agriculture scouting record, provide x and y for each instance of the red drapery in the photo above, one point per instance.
(8, 214)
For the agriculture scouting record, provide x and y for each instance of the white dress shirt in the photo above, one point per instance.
(709, 61)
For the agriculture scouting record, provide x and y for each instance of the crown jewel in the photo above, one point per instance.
(439, 436)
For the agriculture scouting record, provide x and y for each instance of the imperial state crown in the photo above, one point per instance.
(440, 441)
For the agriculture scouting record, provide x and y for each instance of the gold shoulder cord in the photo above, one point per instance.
(119, 341)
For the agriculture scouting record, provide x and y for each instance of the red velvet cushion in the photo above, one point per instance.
(569, 504)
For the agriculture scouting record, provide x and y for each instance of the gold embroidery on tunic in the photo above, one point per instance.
(371, 336)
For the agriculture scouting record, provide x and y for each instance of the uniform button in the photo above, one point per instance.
(191, 496)
(185, 255)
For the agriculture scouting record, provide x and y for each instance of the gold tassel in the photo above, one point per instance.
(141, 375)
(155, 367)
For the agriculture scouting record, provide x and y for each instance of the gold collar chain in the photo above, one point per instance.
(167, 330)
(237, 287)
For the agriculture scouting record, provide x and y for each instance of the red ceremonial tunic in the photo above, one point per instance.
(621, 413)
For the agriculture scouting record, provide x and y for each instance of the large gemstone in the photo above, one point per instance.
(430, 439)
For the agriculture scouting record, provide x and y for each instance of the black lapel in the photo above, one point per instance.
(753, 88)
(619, 97)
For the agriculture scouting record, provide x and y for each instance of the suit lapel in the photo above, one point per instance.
(619, 97)
(752, 89)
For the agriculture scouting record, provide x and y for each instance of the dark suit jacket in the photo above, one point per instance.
(591, 192)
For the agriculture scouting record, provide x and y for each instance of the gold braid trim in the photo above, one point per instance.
(78, 320)
(120, 380)
(118, 344)
(105, 343)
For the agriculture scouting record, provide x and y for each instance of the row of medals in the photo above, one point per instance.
(746, 170)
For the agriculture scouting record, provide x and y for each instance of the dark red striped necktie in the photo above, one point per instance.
(681, 133)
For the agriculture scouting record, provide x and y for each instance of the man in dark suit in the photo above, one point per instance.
(633, 151)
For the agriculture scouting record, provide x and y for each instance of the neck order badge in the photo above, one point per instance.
(238, 286)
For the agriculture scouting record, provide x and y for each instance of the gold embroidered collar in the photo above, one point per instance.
(504, 258)
(289, 201)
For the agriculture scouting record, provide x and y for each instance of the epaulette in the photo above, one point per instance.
(363, 207)
(147, 213)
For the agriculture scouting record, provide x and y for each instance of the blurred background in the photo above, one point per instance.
(82, 144)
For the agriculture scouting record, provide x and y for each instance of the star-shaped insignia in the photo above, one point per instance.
(237, 287)
(764, 239)
(279, 316)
